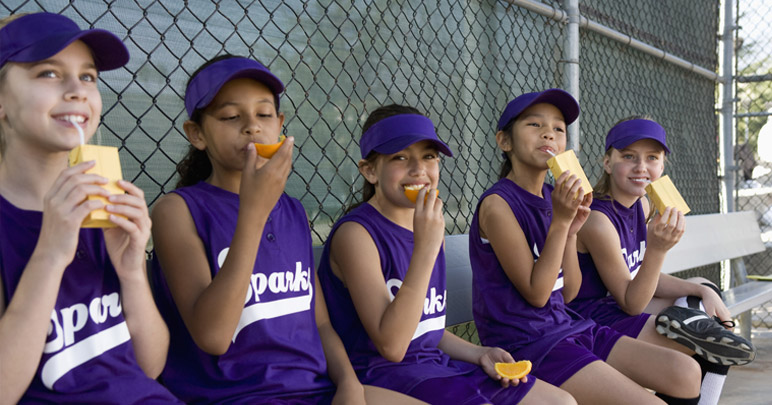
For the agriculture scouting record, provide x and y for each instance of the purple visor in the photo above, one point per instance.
(208, 82)
(562, 100)
(392, 134)
(625, 133)
(39, 36)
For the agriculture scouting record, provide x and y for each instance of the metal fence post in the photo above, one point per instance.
(571, 59)
(727, 105)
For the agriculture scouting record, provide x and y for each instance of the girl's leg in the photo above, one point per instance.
(378, 395)
(599, 383)
(663, 370)
(544, 393)
(649, 334)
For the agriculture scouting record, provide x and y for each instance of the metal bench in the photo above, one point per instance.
(709, 238)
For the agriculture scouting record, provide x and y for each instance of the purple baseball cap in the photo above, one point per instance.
(208, 82)
(627, 132)
(35, 37)
(392, 134)
(564, 102)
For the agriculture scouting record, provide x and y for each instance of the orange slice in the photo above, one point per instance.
(267, 150)
(513, 371)
(411, 192)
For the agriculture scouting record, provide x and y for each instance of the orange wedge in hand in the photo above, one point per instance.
(411, 192)
(267, 150)
(513, 371)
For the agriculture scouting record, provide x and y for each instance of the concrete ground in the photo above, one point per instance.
(752, 384)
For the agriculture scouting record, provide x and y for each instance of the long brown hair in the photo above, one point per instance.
(380, 113)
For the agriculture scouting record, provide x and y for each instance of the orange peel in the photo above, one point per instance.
(411, 192)
(267, 150)
(513, 371)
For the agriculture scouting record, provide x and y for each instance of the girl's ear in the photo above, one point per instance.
(194, 134)
(607, 163)
(367, 169)
(504, 140)
(281, 119)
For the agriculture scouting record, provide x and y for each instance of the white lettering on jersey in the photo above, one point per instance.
(73, 352)
(434, 303)
(635, 258)
(277, 283)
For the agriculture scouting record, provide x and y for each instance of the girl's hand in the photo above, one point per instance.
(126, 243)
(566, 198)
(262, 187)
(493, 355)
(665, 230)
(714, 306)
(349, 392)
(428, 222)
(582, 213)
(65, 207)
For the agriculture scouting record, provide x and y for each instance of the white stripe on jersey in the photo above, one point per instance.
(428, 325)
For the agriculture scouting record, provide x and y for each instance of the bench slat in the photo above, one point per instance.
(747, 296)
(711, 238)
(459, 279)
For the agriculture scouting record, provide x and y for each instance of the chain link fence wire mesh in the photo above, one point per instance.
(753, 150)
(457, 61)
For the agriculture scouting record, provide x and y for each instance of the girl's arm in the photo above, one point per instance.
(534, 280)
(674, 287)
(601, 240)
(349, 390)
(126, 247)
(211, 307)
(572, 274)
(483, 356)
(354, 258)
(24, 322)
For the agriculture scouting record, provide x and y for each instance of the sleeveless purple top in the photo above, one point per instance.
(502, 316)
(88, 356)
(276, 350)
(423, 359)
(630, 224)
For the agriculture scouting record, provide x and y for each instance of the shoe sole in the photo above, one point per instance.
(727, 351)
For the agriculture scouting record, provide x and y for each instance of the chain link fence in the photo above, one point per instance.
(753, 107)
(457, 61)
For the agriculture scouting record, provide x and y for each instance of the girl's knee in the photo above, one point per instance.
(685, 376)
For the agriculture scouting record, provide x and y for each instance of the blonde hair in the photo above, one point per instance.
(3, 70)
(602, 189)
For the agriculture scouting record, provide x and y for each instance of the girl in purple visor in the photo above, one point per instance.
(383, 275)
(523, 252)
(622, 286)
(235, 267)
(77, 319)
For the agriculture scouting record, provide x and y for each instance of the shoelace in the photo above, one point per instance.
(727, 324)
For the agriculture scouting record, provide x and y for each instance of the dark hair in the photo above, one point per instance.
(380, 113)
(506, 165)
(196, 166)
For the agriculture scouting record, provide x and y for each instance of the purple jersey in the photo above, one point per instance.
(88, 356)
(275, 351)
(423, 359)
(502, 316)
(593, 300)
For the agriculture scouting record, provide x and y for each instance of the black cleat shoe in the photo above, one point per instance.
(706, 337)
